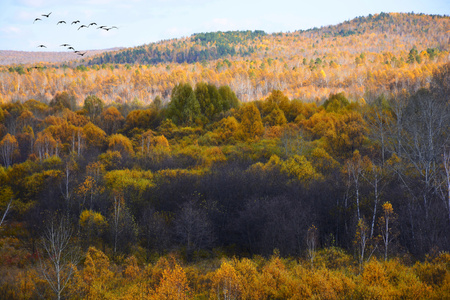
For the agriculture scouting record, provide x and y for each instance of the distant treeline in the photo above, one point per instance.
(206, 46)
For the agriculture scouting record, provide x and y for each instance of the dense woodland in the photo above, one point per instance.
(110, 190)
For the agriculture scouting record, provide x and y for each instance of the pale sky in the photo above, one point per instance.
(146, 21)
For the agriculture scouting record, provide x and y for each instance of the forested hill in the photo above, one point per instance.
(199, 47)
(363, 58)
(411, 29)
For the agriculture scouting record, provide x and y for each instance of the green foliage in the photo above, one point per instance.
(336, 102)
(184, 109)
(93, 106)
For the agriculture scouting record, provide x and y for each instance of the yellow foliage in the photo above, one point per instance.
(173, 284)
(92, 218)
(301, 169)
(226, 283)
(96, 275)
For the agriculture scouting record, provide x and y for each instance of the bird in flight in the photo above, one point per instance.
(41, 46)
(82, 27)
(37, 19)
(93, 23)
(81, 54)
(64, 45)
(75, 22)
(101, 27)
(60, 22)
(71, 48)
(48, 15)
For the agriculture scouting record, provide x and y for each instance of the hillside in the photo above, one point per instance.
(9, 57)
(362, 57)
(375, 33)
(165, 181)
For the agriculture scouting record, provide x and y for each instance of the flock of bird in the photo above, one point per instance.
(69, 47)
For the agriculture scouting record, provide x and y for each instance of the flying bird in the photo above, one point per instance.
(101, 27)
(75, 22)
(82, 27)
(81, 54)
(61, 22)
(107, 29)
(71, 48)
(41, 46)
(64, 45)
(48, 15)
(114, 27)
(37, 19)
(93, 23)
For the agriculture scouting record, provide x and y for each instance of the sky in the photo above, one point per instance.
(142, 22)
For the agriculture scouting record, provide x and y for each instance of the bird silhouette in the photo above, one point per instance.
(41, 46)
(48, 15)
(114, 27)
(107, 29)
(101, 27)
(81, 54)
(71, 48)
(64, 45)
(37, 19)
(93, 23)
(60, 22)
(75, 22)
(82, 27)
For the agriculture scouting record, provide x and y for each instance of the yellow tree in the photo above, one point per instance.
(45, 145)
(8, 147)
(386, 224)
(173, 285)
(96, 276)
(251, 124)
(226, 283)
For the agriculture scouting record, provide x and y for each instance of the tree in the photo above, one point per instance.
(111, 120)
(5, 213)
(226, 283)
(312, 239)
(64, 100)
(362, 242)
(193, 228)
(229, 99)
(386, 224)
(251, 124)
(120, 143)
(353, 169)
(45, 145)
(62, 256)
(8, 147)
(173, 285)
(183, 108)
(93, 106)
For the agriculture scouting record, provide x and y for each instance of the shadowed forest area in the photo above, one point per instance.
(211, 195)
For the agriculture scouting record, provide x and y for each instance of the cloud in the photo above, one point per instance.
(11, 30)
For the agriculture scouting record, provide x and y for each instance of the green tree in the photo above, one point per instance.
(93, 106)
(184, 108)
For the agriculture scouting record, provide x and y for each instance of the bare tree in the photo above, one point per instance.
(8, 207)
(312, 239)
(59, 258)
(192, 227)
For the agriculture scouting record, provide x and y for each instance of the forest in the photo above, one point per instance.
(167, 181)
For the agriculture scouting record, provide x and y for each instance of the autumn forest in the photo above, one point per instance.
(232, 165)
